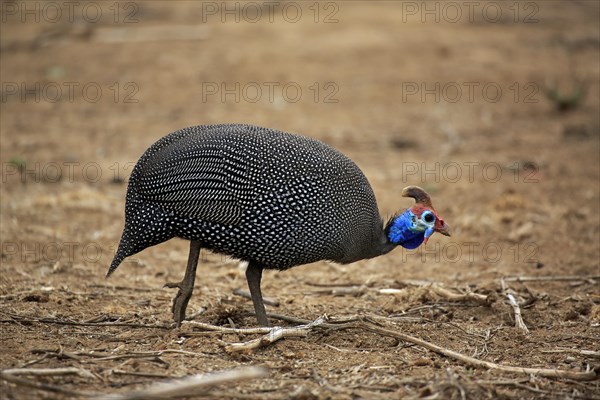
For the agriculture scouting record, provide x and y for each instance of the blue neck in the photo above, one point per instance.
(401, 231)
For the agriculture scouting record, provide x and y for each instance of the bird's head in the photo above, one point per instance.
(415, 225)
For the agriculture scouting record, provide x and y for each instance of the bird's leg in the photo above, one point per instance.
(253, 276)
(186, 286)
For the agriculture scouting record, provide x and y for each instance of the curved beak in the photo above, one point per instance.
(444, 230)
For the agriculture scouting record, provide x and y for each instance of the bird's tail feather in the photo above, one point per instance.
(120, 255)
(137, 221)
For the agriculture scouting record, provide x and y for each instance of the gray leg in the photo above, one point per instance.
(186, 286)
(253, 276)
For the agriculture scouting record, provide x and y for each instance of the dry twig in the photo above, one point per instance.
(545, 372)
(144, 374)
(189, 385)
(101, 356)
(11, 375)
(550, 278)
(22, 318)
(226, 329)
(517, 310)
(356, 290)
(519, 323)
(274, 335)
(131, 288)
(447, 294)
(589, 353)
(43, 386)
(48, 371)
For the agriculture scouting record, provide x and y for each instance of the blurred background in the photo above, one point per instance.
(474, 101)
(491, 106)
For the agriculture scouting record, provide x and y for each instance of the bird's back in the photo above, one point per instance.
(254, 193)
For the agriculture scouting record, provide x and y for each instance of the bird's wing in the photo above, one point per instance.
(198, 179)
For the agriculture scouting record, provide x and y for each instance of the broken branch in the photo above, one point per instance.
(545, 372)
(274, 335)
(189, 385)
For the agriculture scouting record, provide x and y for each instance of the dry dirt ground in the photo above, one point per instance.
(478, 103)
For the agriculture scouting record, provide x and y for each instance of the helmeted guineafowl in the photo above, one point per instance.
(271, 198)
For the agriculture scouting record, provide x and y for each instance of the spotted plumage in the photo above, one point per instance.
(272, 198)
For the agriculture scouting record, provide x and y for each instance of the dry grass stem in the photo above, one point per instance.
(44, 386)
(358, 290)
(226, 329)
(12, 375)
(470, 296)
(590, 278)
(48, 372)
(517, 310)
(188, 386)
(589, 353)
(22, 318)
(144, 374)
(519, 323)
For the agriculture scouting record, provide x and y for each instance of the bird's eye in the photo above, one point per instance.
(428, 217)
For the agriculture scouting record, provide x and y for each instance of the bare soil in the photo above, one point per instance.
(512, 171)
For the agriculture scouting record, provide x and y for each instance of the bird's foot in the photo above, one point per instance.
(180, 301)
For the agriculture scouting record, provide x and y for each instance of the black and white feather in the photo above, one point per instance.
(257, 194)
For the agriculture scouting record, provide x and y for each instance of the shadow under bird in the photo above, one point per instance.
(271, 198)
